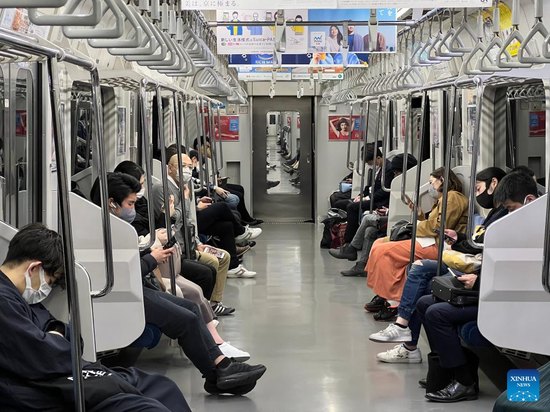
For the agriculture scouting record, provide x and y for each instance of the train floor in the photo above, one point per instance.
(306, 323)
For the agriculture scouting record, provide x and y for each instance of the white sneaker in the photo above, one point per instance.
(399, 354)
(245, 236)
(240, 272)
(392, 333)
(215, 322)
(254, 232)
(232, 352)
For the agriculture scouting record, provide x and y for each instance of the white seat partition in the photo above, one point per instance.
(56, 303)
(119, 317)
(512, 300)
(84, 181)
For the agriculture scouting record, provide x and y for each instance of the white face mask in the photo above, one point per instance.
(433, 192)
(33, 296)
(141, 193)
(187, 175)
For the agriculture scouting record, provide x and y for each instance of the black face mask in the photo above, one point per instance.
(485, 200)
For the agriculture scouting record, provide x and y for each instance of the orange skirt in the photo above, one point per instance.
(387, 266)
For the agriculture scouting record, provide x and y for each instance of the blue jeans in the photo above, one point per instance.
(418, 284)
(232, 201)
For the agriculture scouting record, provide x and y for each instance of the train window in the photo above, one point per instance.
(283, 153)
(81, 131)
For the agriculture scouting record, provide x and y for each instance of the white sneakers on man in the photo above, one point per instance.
(241, 272)
(250, 233)
(400, 354)
(392, 333)
(232, 352)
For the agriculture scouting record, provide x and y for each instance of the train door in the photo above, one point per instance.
(283, 161)
(19, 146)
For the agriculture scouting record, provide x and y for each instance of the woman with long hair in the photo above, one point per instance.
(334, 40)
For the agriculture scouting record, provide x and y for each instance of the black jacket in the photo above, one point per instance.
(381, 197)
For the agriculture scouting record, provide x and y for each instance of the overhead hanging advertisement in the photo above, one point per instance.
(253, 4)
(324, 43)
(424, 4)
(263, 74)
(259, 39)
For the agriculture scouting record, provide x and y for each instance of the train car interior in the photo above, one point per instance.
(214, 206)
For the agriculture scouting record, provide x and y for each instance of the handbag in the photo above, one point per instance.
(402, 230)
(451, 290)
(463, 262)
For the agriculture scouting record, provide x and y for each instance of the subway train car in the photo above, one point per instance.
(212, 207)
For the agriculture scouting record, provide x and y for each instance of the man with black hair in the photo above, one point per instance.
(527, 170)
(35, 365)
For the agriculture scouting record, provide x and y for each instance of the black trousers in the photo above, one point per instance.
(201, 274)
(181, 319)
(238, 190)
(442, 321)
(353, 219)
(339, 196)
(159, 394)
(218, 220)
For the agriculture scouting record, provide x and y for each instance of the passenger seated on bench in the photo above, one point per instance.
(214, 219)
(442, 320)
(381, 197)
(36, 363)
(340, 198)
(370, 228)
(179, 318)
(190, 269)
(388, 261)
(407, 326)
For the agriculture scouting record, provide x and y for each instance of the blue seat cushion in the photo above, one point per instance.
(471, 335)
(149, 338)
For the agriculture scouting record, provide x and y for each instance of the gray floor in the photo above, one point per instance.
(306, 323)
(278, 173)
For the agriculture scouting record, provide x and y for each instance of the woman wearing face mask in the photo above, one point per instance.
(388, 261)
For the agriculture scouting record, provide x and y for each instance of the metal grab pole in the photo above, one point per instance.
(376, 135)
(408, 124)
(448, 147)
(363, 163)
(350, 135)
(66, 229)
(148, 159)
(473, 171)
(221, 140)
(177, 127)
(213, 149)
(184, 109)
(167, 219)
(385, 140)
(418, 174)
(199, 132)
(103, 188)
(202, 144)
(510, 128)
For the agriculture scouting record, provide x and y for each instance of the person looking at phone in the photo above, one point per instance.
(371, 226)
(407, 326)
(388, 261)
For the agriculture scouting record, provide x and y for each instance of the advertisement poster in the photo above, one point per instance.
(18, 20)
(339, 128)
(252, 4)
(505, 26)
(121, 131)
(259, 39)
(229, 128)
(21, 122)
(264, 73)
(537, 124)
(403, 126)
(435, 128)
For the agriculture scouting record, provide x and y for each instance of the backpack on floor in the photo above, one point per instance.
(337, 232)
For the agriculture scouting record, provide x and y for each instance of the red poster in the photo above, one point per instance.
(230, 128)
(298, 122)
(21, 122)
(403, 126)
(537, 124)
(338, 127)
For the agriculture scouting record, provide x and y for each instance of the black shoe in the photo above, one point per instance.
(454, 392)
(255, 222)
(251, 243)
(375, 304)
(238, 374)
(357, 270)
(423, 383)
(213, 389)
(344, 252)
(386, 314)
(271, 183)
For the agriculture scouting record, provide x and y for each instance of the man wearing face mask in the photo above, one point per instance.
(35, 365)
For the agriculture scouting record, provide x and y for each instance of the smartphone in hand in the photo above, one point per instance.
(170, 244)
(456, 274)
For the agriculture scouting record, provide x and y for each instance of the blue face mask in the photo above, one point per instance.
(128, 215)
